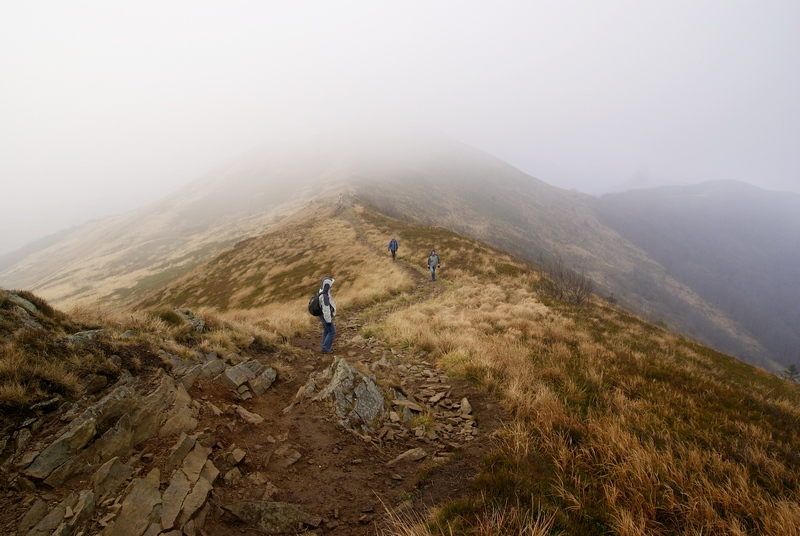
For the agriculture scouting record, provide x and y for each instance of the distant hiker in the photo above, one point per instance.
(393, 247)
(328, 312)
(433, 263)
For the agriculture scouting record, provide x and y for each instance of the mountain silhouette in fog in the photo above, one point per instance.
(713, 261)
(736, 245)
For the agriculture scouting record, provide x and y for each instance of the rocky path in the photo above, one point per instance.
(246, 443)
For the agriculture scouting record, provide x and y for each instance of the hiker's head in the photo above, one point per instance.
(433, 252)
(327, 283)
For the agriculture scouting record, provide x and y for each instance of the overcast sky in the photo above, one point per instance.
(105, 106)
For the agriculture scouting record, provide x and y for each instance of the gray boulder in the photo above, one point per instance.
(357, 399)
(198, 324)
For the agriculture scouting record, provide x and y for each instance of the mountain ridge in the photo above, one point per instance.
(610, 424)
(426, 178)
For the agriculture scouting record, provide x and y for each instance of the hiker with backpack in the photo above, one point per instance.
(322, 305)
(433, 264)
(393, 246)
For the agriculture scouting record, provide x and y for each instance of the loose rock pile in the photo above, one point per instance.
(139, 464)
(93, 440)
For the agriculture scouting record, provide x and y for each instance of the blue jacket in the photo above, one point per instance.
(392, 244)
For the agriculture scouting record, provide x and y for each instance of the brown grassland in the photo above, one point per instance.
(619, 426)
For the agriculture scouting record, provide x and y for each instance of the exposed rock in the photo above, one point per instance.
(152, 409)
(236, 456)
(35, 514)
(109, 477)
(62, 449)
(117, 441)
(122, 400)
(249, 417)
(232, 477)
(268, 517)
(80, 514)
(357, 399)
(412, 455)
(27, 319)
(182, 420)
(235, 359)
(194, 462)
(172, 500)
(53, 519)
(263, 381)
(209, 472)
(191, 374)
(197, 323)
(233, 377)
(22, 302)
(212, 369)
(85, 338)
(134, 516)
(23, 438)
(180, 450)
(466, 407)
(369, 403)
(194, 501)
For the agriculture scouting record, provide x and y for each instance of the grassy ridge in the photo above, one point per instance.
(620, 427)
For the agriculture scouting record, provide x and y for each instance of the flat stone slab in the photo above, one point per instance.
(269, 517)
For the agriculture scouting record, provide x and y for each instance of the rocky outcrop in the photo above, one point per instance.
(197, 323)
(140, 463)
(358, 402)
(96, 439)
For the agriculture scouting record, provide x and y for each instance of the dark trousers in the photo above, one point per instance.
(328, 334)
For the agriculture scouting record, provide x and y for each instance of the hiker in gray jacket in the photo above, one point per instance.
(328, 312)
(433, 264)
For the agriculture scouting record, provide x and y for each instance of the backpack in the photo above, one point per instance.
(314, 308)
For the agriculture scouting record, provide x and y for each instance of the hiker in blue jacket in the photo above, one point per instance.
(433, 264)
(328, 312)
(393, 247)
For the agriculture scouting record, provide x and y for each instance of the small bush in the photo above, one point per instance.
(564, 283)
(170, 318)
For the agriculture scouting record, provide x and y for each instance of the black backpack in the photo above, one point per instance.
(314, 308)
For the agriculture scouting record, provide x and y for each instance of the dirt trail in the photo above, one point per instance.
(303, 457)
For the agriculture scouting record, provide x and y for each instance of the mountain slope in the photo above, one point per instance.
(414, 176)
(738, 246)
(611, 424)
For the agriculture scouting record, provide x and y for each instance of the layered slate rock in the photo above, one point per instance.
(357, 399)
(137, 508)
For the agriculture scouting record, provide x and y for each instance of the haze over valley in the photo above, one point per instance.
(695, 270)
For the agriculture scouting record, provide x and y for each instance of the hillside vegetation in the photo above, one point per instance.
(619, 426)
(420, 177)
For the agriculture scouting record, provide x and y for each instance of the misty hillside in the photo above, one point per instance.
(736, 245)
(420, 177)
(505, 411)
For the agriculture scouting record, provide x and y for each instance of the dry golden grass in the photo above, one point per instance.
(619, 427)
(644, 433)
(276, 273)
